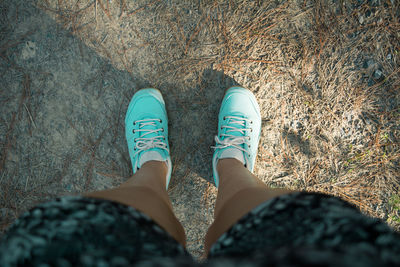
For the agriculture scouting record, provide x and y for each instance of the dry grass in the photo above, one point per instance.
(337, 134)
(326, 73)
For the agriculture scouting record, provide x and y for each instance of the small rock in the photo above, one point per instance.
(29, 50)
(361, 19)
(389, 57)
(378, 74)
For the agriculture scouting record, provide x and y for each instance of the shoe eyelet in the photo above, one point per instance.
(134, 123)
(251, 122)
(160, 120)
(162, 129)
(249, 146)
(134, 140)
(224, 118)
(133, 131)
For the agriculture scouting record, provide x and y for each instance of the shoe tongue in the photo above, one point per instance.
(149, 155)
(232, 153)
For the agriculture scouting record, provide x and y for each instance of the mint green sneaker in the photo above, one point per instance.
(239, 129)
(146, 129)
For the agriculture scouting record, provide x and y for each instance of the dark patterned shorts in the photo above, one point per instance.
(299, 229)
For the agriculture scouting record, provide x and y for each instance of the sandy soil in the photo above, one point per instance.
(326, 75)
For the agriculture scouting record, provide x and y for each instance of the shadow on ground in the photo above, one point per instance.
(330, 110)
(62, 122)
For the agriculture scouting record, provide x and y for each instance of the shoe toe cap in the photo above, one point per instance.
(145, 106)
(241, 101)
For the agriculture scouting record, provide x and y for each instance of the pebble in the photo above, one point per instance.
(378, 74)
(361, 19)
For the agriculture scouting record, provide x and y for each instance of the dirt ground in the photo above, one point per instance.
(326, 75)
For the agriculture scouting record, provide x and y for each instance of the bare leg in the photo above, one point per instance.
(239, 192)
(145, 191)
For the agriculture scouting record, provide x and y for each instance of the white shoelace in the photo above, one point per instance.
(231, 140)
(145, 143)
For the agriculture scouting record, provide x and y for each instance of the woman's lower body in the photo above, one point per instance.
(296, 229)
(254, 224)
